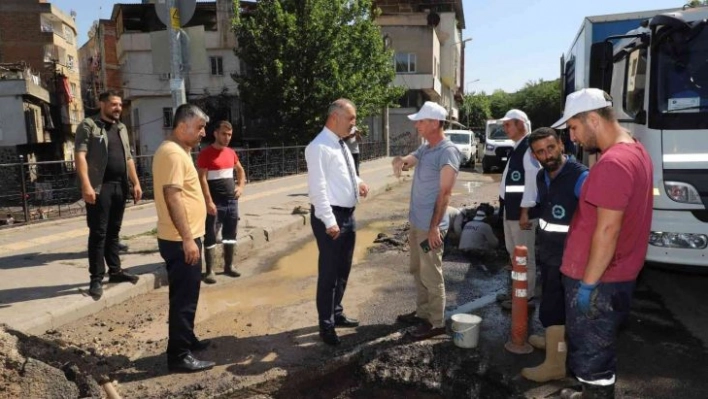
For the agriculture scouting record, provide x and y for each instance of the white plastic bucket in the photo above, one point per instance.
(465, 330)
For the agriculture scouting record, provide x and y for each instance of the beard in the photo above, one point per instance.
(553, 164)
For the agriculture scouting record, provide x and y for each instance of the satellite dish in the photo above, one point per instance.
(433, 19)
(186, 11)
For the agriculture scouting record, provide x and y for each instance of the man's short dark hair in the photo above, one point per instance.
(224, 124)
(103, 97)
(542, 133)
(187, 112)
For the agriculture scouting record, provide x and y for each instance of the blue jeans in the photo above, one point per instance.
(592, 338)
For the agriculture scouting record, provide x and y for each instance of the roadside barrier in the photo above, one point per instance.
(519, 303)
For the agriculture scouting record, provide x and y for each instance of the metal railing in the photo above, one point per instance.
(33, 191)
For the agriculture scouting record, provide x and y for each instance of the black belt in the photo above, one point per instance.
(342, 209)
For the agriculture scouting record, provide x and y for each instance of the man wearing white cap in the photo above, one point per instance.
(437, 164)
(477, 236)
(518, 190)
(607, 241)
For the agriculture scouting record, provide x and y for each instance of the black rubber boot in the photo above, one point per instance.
(209, 277)
(229, 269)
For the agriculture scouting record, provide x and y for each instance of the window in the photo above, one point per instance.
(70, 62)
(217, 66)
(167, 117)
(405, 62)
(136, 120)
(68, 35)
(636, 82)
(74, 90)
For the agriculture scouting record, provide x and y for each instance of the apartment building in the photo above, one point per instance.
(43, 37)
(142, 50)
(426, 36)
(98, 59)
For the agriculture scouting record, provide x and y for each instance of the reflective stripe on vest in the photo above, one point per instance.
(552, 227)
(514, 189)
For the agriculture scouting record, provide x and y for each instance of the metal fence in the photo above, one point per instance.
(33, 191)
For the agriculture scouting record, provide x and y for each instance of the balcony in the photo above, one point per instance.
(426, 82)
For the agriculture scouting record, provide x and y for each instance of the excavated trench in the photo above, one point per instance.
(396, 369)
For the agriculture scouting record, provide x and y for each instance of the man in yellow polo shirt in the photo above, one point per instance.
(181, 214)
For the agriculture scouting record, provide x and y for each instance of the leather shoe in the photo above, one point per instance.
(95, 289)
(200, 345)
(122, 276)
(189, 364)
(426, 330)
(409, 318)
(344, 321)
(329, 336)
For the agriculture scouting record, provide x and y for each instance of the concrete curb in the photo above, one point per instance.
(245, 246)
(87, 306)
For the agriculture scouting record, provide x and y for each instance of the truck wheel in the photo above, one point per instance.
(486, 168)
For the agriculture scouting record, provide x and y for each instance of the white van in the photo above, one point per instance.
(466, 142)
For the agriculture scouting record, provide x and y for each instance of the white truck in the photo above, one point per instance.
(654, 64)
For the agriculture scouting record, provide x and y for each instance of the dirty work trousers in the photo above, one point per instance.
(426, 268)
(227, 217)
(551, 312)
(104, 219)
(513, 236)
(184, 281)
(334, 263)
(592, 337)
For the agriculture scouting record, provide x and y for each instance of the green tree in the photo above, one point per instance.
(540, 100)
(303, 54)
(697, 3)
(475, 110)
(499, 103)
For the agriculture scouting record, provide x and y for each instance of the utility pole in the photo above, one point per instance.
(177, 80)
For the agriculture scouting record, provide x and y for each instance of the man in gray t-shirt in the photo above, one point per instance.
(436, 166)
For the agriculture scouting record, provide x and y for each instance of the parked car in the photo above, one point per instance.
(466, 142)
(497, 146)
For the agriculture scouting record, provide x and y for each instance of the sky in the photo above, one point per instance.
(513, 41)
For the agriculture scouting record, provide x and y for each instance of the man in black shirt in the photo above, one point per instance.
(104, 164)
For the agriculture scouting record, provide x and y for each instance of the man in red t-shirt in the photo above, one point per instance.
(216, 164)
(607, 240)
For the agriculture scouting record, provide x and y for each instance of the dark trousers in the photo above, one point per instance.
(356, 162)
(592, 338)
(184, 281)
(551, 312)
(227, 217)
(104, 219)
(334, 263)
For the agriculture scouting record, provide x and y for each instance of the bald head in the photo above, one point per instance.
(341, 117)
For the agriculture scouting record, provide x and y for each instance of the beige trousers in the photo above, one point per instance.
(426, 269)
(513, 236)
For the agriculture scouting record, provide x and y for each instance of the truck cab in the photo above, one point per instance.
(657, 75)
(497, 146)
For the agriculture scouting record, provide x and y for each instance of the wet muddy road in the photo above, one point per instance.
(265, 334)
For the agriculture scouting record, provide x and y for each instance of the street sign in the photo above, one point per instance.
(183, 12)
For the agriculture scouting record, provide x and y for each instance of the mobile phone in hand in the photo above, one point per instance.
(425, 246)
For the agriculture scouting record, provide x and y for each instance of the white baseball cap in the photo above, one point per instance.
(480, 216)
(515, 114)
(430, 110)
(582, 101)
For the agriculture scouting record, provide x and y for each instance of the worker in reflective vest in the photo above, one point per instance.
(559, 184)
(519, 192)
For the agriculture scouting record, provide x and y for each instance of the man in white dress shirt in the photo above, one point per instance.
(334, 190)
